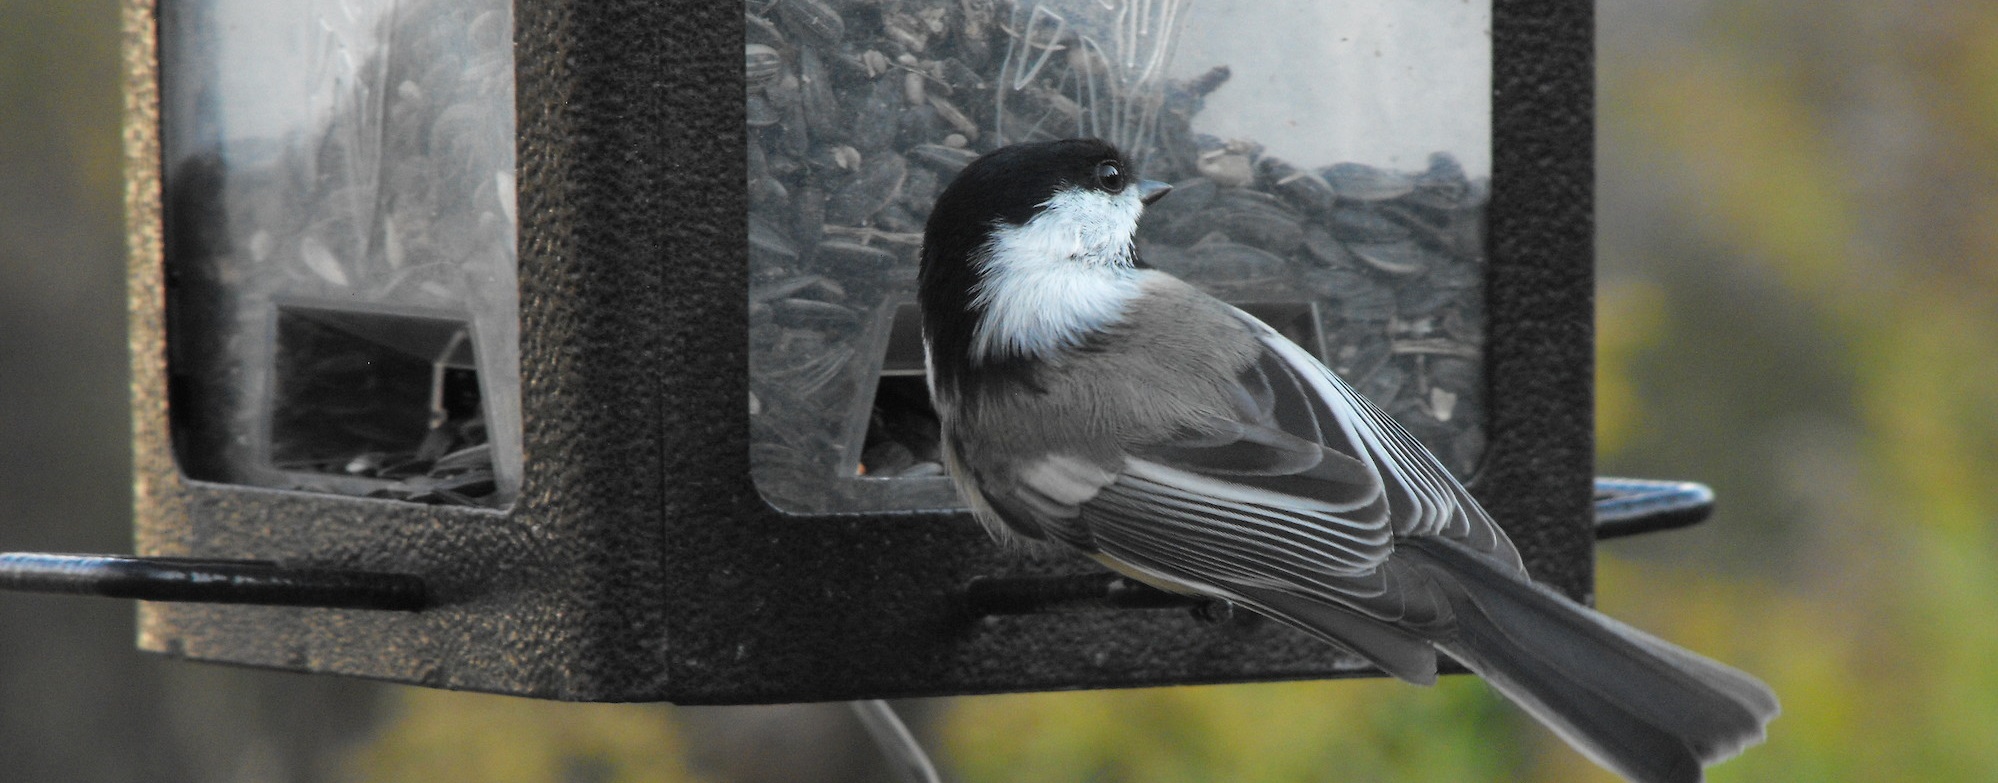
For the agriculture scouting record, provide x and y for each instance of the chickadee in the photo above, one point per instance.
(1091, 401)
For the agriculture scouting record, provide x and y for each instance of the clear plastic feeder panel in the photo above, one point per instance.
(1330, 164)
(340, 221)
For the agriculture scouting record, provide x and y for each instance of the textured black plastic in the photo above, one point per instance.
(1540, 358)
(640, 562)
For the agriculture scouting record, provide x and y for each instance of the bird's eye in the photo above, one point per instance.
(1110, 176)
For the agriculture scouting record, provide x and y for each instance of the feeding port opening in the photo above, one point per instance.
(379, 404)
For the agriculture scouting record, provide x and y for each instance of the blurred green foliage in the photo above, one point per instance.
(441, 737)
(1338, 730)
(1834, 170)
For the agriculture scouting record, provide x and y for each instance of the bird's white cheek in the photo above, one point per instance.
(1067, 272)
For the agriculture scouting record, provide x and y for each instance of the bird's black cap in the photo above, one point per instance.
(1009, 184)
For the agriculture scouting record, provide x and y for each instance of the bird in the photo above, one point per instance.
(1090, 402)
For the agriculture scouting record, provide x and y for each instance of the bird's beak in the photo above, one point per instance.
(1150, 190)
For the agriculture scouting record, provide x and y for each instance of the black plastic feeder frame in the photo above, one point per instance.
(564, 349)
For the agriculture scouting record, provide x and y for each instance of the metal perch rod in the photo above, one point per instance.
(209, 581)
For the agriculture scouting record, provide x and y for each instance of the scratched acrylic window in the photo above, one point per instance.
(1330, 164)
(339, 203)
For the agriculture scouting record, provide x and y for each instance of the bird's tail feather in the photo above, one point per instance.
(1634, 703)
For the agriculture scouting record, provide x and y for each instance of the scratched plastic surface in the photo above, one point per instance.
(1084, 68)
(1330, 164)
(341, 245)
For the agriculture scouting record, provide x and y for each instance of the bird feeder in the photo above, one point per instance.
(547, 348)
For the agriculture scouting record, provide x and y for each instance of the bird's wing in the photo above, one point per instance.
(1300, 494)
(1424, 499)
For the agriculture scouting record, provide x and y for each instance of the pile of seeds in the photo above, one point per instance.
(860, 111)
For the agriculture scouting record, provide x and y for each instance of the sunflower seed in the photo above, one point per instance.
(1360, 182)
(760, 64)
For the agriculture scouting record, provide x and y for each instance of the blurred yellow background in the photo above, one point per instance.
(1798, 254)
